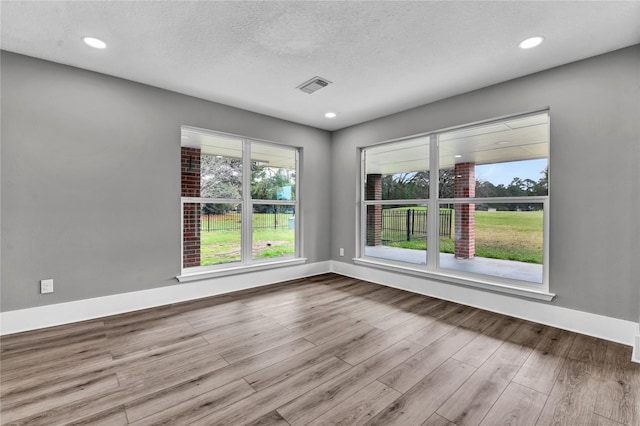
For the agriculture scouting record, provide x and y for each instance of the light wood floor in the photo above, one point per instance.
(321, 351)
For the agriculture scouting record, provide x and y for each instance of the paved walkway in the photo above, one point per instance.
(480, 265)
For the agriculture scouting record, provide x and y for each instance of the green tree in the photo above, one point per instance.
(220, 177)
(542, 186)
(271, 183)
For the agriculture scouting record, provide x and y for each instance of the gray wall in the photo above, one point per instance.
(594, 172)
(90, 177)
(91, 180)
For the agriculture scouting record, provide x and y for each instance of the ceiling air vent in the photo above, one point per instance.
(316, 83)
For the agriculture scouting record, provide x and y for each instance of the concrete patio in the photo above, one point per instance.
(530, 272)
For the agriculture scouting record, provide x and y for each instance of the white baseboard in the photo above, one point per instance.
(604, 327)
(82, 310)
(613, 329)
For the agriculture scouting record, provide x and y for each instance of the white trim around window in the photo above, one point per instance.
(247, 204)
(431, 266)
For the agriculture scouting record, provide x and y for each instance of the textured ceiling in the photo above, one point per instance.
(382, 57)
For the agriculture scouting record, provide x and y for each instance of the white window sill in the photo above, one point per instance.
(513, 289)
(241, 269)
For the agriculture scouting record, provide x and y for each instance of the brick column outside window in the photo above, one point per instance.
(190, 183)
(374, 213)
(465, 222)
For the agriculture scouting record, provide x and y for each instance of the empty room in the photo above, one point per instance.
(320, 213)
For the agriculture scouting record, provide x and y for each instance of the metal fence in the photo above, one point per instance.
(232, 221)
(403, 225)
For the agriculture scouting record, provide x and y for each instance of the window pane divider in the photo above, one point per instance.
(247, 210)
(188, 200)
(360, 209)
(494, 200)
(433, 244)
(297, 224)
(279, 202)
(423, 201)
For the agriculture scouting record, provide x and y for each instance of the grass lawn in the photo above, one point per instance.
(224, 246)
(499, 235)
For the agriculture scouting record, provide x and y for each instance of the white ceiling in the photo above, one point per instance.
(382, 57)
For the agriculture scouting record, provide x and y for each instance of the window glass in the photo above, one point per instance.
(211, 234)
(397, 232)
(274, 233)
(505, 159)
(273, 172)
(398, 171)
(221, 177)
(220, 234)
(498, 239)
(219, 165)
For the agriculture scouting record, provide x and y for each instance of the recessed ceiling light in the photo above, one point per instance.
(330, 115)
(503, 143)
(457, 156)
(531, 42)
(94, 42)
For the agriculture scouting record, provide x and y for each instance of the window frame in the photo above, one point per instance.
(432, 267)
(246, 263)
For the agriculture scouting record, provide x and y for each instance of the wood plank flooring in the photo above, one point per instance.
(325, 350)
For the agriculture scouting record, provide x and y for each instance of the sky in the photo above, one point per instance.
(503, 173)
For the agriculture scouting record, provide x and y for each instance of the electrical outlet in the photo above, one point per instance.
(341, 251)
(46, 286)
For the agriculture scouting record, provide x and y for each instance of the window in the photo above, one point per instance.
(489, 193)
(239, 202)
(396, 182)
